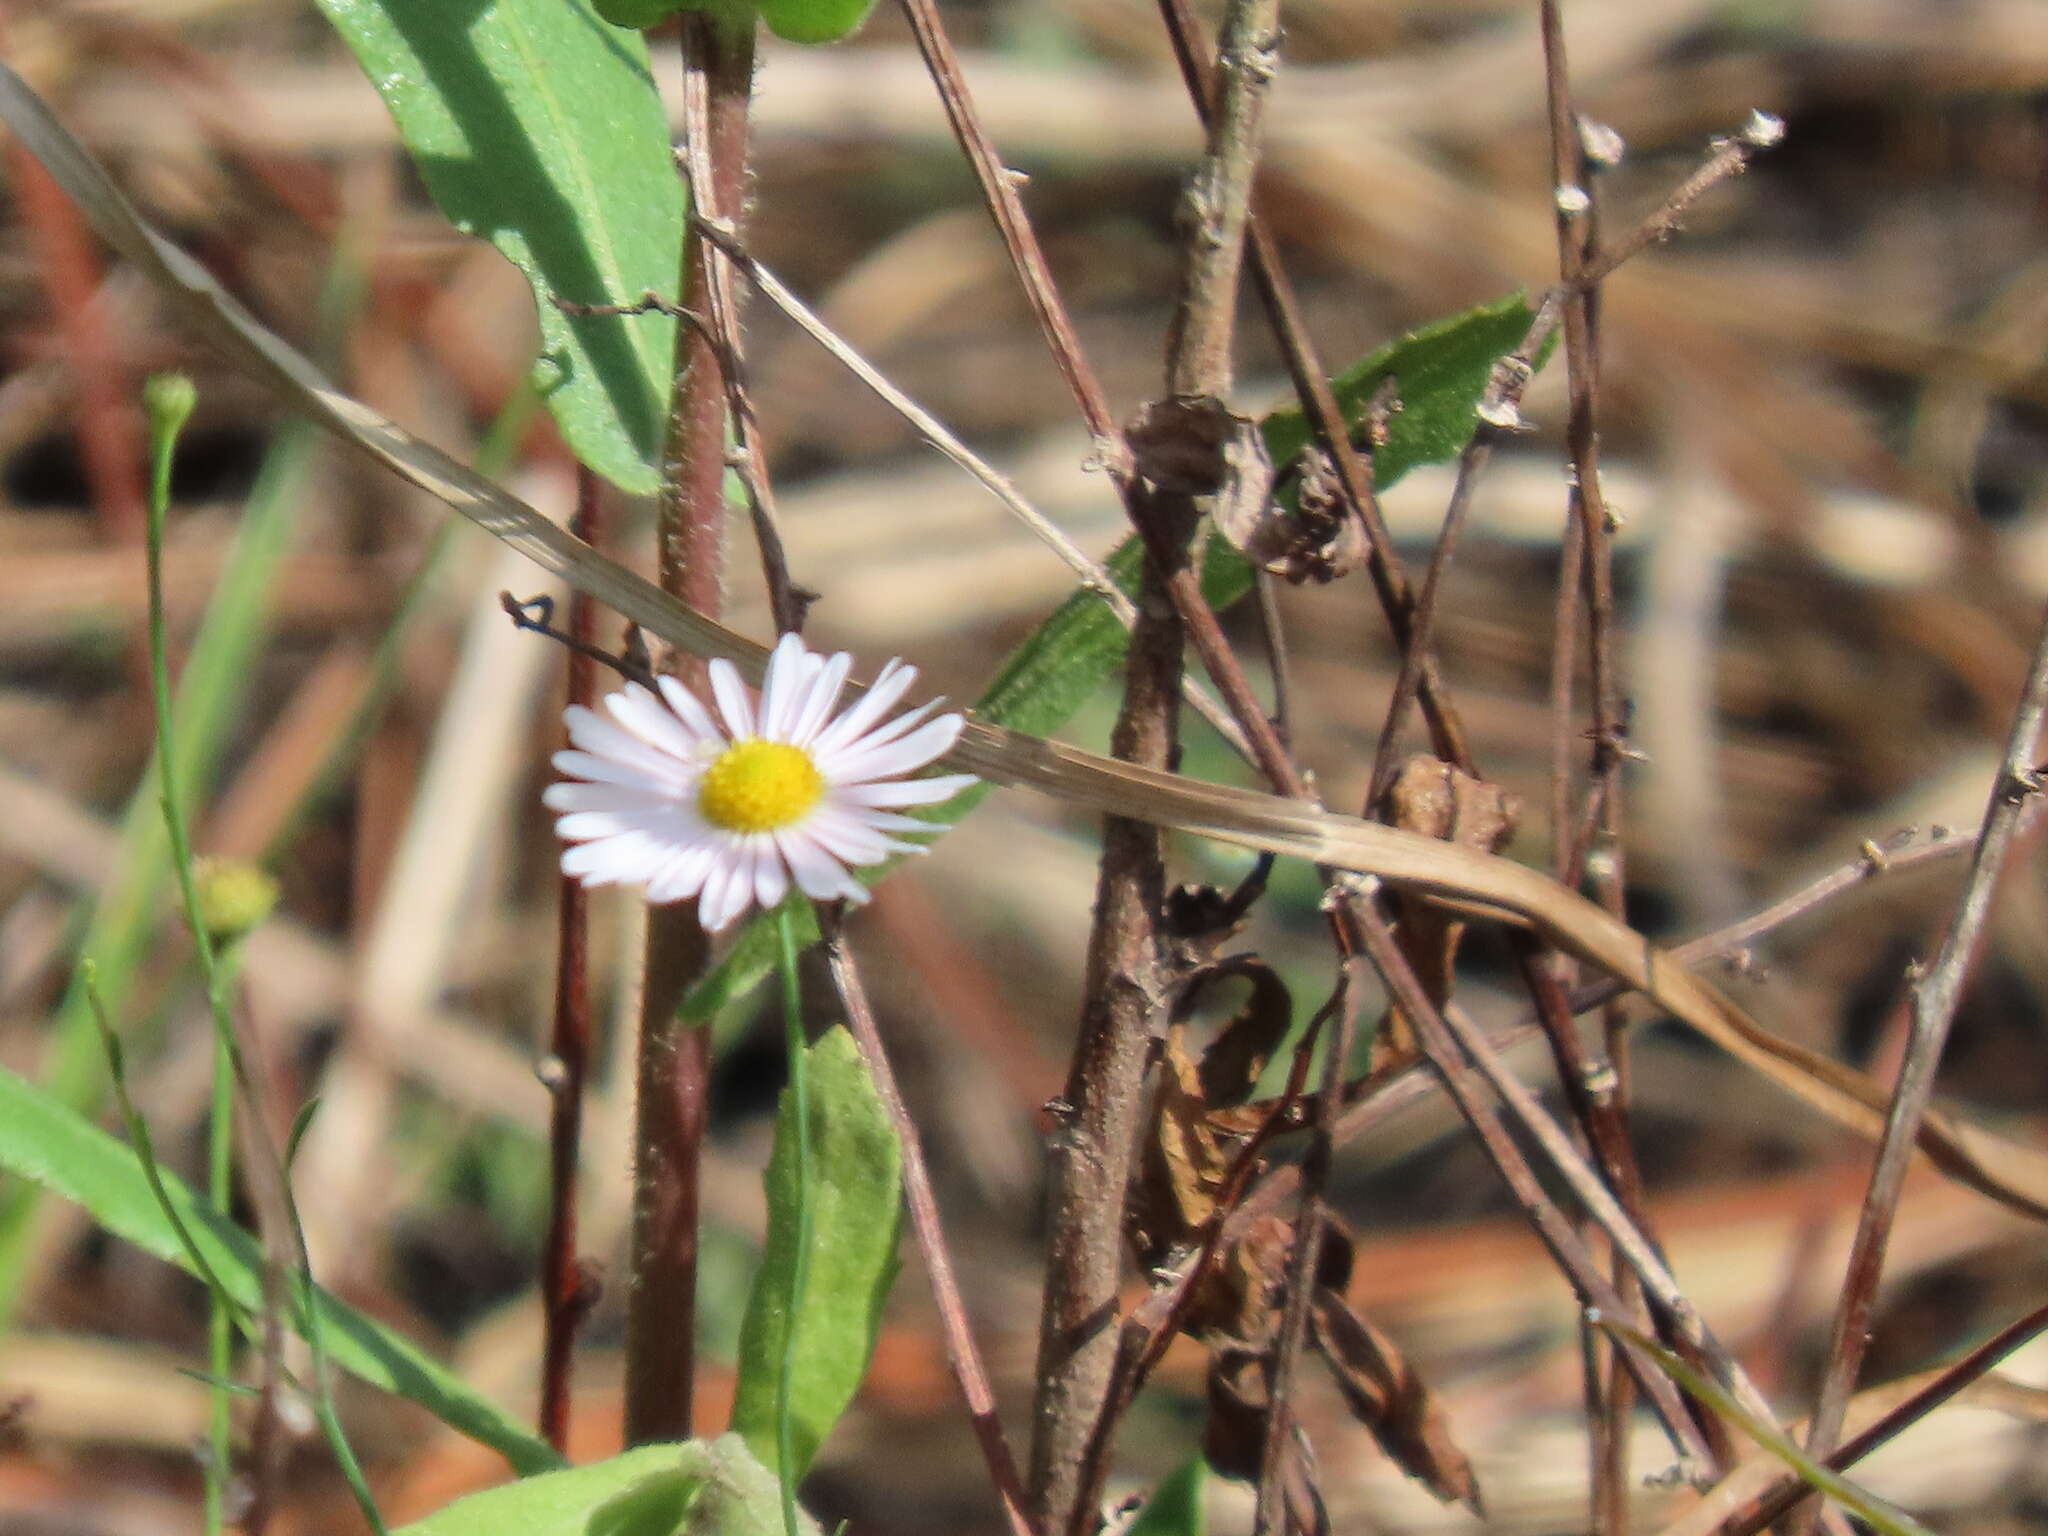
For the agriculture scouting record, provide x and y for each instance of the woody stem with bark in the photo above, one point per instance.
(673, 1061)
(1094, 1143)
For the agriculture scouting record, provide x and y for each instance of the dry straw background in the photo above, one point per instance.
(1826, 411)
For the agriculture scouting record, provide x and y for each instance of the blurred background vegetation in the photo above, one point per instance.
(1826, 412)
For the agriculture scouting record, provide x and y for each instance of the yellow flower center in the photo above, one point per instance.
(759, 786)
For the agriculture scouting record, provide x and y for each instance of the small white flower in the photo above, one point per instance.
(729, 807)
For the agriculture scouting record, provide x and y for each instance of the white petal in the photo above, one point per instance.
(771, 878)
(905, 791)
(682, 875)
(604, 797)
(934, 739)
(783, 689)
(820, 876)
(850, 839)
(600, 737)
(602, 770)
(612, 860)
(731, 695)
(889, 821)
(689, 709)
(664, 824)
(725, 892)
(893, 682)
(653, 722)
(825, 692)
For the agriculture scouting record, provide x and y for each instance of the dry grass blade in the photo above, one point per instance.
(2004, 1170)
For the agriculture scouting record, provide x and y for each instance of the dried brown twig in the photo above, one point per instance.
(1936, 992)
(961, 1354)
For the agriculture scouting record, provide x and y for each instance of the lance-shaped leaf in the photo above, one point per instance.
(856, 1215)
(537, 127)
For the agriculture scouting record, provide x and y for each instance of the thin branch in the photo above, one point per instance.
(1771, 1506)
(1093, 576)
(1936, 993)
(961, 1353)
(566, 1293)
(1311, 379)
(999, 192)
(1305, 1257)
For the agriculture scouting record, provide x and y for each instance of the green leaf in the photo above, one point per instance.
(50, 1145)
(815, 21)
(1442, 370)
(704, 1489)
(538, 127)
(856, 1216)
(794, 21)
(1175, 1508)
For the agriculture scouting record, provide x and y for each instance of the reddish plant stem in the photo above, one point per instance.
(673, 1065)
(565, 1293)
(1936, 993)
(961, 1354)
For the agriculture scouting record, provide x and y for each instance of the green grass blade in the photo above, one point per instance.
(1859, 1501)
(128, 911)
(536, 126)
(52, 1146)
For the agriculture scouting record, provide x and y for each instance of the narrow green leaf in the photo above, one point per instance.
(537, 127)
(1859, 1501)
(1175, 1508)
(1442, 369)
(856, 1215)
(129, 910)
(52, 1146)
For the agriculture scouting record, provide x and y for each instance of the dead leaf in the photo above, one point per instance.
(1432, 798)
(1389, 1399)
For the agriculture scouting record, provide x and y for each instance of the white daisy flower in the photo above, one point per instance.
(730, 806)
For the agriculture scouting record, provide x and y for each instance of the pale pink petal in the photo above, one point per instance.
(570, 796)
(881, 697)
(689, 710)
(653, 722)
(785, 689)
(771, 878)
(602, 770)
(600, 737)
(726, 891)
(820, 876)
(661, 824)
(681, 876)
(905, 791)
(930, 741)
(612, 860)
(824, 694)
(731, 695)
